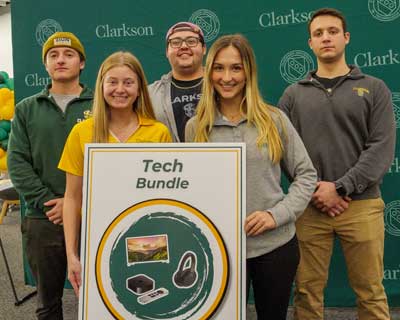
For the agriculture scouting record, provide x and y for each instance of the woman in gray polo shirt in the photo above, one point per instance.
(231, 109)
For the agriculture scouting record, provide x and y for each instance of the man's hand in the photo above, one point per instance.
(258, 222)
(339, 208)
(55, 213)
(327, 200)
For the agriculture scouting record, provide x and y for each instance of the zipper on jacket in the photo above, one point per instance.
(329, 91)
(339, 83)
(317, 84)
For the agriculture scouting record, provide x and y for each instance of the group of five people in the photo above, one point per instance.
(327, 135)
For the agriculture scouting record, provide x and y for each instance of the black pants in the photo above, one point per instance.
(45, 250)
(272, 277)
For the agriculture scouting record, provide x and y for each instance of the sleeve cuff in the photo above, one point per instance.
(281, 215)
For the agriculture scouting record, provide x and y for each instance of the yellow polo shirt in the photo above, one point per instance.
(72, 157)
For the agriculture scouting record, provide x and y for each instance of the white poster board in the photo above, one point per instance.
(162, 232)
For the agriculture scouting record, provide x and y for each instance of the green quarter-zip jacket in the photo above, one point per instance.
(38, 134)
(348, 130)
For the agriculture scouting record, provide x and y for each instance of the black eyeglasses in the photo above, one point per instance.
(190, 42)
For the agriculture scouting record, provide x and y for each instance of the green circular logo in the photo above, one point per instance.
(162, 259)
(295, 65)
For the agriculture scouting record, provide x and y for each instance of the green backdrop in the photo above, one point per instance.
(278, 33)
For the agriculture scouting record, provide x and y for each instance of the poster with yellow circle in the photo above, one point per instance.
(162, 232)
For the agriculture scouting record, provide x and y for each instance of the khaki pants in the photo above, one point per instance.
(360, 230)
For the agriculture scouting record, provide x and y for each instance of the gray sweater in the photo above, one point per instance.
(263, 186)
(349, 131)
(160, 95)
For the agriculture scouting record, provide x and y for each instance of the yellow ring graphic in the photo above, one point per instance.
(182, 205)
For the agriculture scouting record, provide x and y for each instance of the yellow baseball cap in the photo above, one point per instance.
(63, 39)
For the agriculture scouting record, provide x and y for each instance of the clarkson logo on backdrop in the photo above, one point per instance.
(123, 30)
(35, 80)
(396, 107)
(395, 167)
(392, 218)
(384, 10)
(208, 22)
(370, 59)
(273, 19)
(295, 65)
(392, 274)
(45, 29)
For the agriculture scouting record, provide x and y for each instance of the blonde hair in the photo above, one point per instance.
(101, 110)
(258, 112)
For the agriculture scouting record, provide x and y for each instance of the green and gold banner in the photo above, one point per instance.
(276, 29)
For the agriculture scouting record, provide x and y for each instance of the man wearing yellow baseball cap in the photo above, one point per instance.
(39, 130)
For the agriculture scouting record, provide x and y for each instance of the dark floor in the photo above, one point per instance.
(11, 238)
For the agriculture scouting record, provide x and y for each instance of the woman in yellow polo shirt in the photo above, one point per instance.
(122, 112)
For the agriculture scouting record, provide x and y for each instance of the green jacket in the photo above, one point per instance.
(38, 134)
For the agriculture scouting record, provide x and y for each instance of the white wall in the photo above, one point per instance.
(5, 42)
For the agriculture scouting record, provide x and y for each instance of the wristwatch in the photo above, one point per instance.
(341, 191)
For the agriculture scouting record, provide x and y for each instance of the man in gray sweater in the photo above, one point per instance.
(346, 121)
(176, 94)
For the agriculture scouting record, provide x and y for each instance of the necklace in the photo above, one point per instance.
(184, 88)
(233, 118)
(122, 132)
